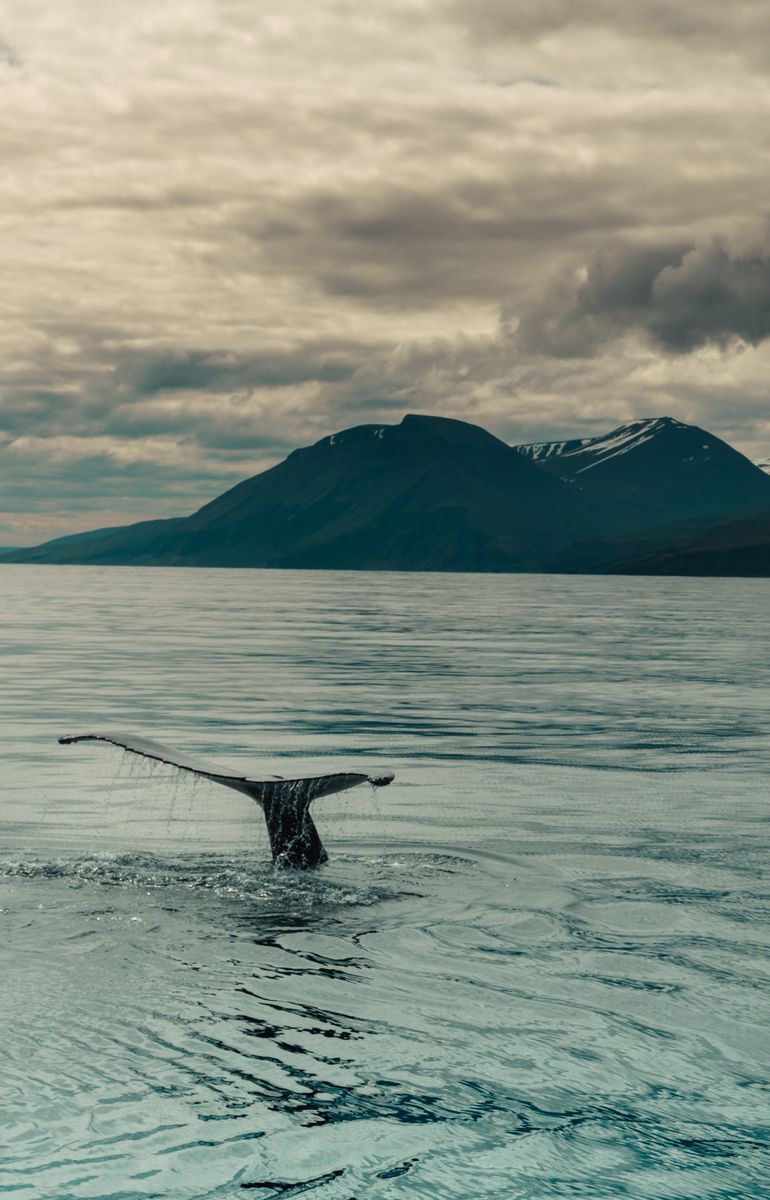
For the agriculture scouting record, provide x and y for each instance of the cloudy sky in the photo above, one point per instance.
(227, 233)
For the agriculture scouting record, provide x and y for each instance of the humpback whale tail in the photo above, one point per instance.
(294, 839)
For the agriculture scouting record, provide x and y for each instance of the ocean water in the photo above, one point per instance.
(535, 966)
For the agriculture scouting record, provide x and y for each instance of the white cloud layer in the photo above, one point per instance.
(228, 232)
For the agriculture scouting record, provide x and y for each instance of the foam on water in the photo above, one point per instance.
(535, 967)
(232, 875)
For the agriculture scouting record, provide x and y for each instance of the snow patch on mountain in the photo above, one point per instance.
(605, 446)
(539, 451)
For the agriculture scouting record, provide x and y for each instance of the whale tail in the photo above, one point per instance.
(294, 839)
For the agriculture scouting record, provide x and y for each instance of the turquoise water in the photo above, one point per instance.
(535, 966)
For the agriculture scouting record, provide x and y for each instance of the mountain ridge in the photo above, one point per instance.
(434, 493)
(661, 469)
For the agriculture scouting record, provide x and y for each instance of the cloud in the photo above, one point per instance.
(740, 27)
(393, 245)
(8, 56)
(230, 230)
(679, 297)
(160, 370)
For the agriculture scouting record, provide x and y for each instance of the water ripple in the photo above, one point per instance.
(535, 966)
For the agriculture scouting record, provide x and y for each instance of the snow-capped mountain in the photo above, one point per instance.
(433, 494)
(660, 470)
(583, 454)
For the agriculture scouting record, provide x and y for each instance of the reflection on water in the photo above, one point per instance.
(535, 966)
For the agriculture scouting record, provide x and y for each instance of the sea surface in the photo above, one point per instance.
(536, 966)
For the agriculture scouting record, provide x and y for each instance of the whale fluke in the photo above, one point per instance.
(294, 839)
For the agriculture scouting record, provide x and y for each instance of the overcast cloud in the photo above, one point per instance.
(227, 232)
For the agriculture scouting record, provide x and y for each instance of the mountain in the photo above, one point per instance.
(427, 494)
(657, 471)
(436, 494)
(737, 547)
(733, 548)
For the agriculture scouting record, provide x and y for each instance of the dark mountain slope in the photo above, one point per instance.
(660, 471)
(114, 546)
(427, 494)
(737, 547)
(729, 548)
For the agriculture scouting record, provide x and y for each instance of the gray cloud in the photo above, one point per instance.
(149, 372)
(395, 245)
(680, 297)
(740, 26)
